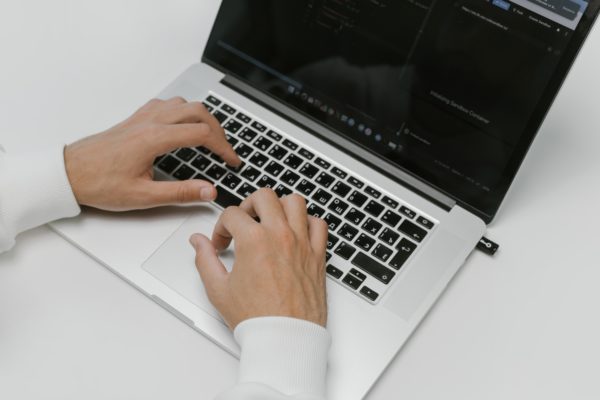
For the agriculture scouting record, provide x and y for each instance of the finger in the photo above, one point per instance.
(174, 101)
(317, 234)
(265, 205)
(170, 137)
(155, 194)
(209, 266)
(188, 113)
(232, 222)
(294, 207)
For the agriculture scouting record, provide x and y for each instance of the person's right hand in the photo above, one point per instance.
(279, 267)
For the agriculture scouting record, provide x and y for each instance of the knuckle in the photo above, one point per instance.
(181, 194)
(198, 108)
(178, 99)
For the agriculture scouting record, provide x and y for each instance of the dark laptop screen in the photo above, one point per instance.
(451, 91)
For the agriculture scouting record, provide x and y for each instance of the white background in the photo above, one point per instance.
(523, 325)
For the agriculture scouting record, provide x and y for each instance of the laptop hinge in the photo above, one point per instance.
(391, 171)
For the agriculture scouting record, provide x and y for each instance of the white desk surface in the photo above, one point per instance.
(524, 325)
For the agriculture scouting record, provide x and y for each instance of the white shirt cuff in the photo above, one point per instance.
(287, 354)
(35, 191)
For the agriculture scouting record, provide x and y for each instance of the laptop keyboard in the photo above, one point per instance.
(372, 235)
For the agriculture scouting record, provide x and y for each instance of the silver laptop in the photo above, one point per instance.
(402, 123)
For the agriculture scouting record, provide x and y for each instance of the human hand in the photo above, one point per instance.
(279, 267)
(113, 170)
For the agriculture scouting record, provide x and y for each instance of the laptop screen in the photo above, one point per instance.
(452, 91)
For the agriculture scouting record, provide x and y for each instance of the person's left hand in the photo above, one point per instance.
(113, 170)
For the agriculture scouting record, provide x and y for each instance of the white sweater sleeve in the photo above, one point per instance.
(34, 190)
(281, 359)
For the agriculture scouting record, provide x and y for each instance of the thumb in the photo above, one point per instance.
(211, 269)
(179, 192)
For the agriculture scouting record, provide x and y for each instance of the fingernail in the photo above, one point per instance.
(207, 193)
(194, 241)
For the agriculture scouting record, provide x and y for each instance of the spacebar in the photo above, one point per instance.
(226, 199)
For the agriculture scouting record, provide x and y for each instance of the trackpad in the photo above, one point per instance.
(173, 263)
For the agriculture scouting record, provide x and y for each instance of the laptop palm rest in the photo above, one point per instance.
(173, 262)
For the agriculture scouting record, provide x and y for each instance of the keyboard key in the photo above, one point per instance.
(274, 168)
(348, 232)
(369, 293)
(216, 172)
(405, 249)
(374, 208)
(278, 152)
(231, 181)
(157, 160)
(283, 190)
(233, 126)
(184, 172)
(355, 182)
(309, 170)
(243, 117)
(201, 163)
(389, 236)
(332, 240)
(251, 173)
(352, 281)
(345, 251)
(203, 177)
(357, 198)
(373, 192)
(339, 173)
(266, 182)
(203, 150)
(274, 135)
(218, 159)
(263, 143)
(208, 107)
(259, 127)
(213, 100)
(365, 242)
(226, 199)
(186, 154)
(293, 161)
(290, 178)
(168, 164)
(332, 221)
(408, 212)
(305, 187)
(322, 163)
(391, 203)
(306, 154)
(248, 134)
(382, 252)
(425, 222)
(338, 206)
(355, 216)
(341, 189)
(228, 109)
(357, 274)
(333, 271)
(259, 159)
(315, 211)
(372, 226)
(246, 190)
(328, 256)
(413, 231)
(322, 197)
(232, 141)
(221, 117)
(373, 268)
(391, 218)
(243, 150)
(290, 145)
(325, 180)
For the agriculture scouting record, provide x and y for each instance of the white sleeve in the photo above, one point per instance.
(34, 190)
(281, 359)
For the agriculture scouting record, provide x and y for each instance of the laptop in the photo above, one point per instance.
(402, 123)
